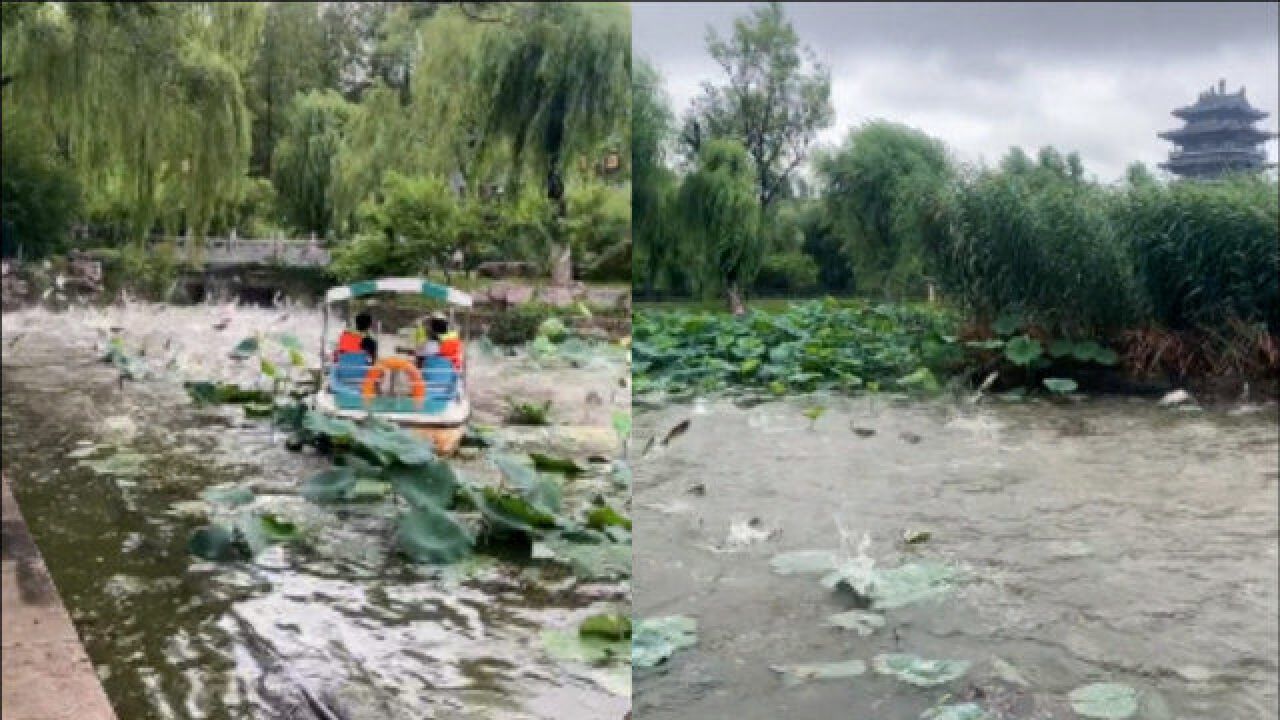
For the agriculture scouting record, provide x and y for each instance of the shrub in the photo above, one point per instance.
(1206, 252)
(789, 272)
(518, 325)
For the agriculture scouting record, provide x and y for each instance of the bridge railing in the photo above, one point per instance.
(250, 251)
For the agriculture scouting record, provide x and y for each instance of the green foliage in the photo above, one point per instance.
(775, 100)
(791, 272)
(813, 345)
(599, 229)
(40, 195)
(888, 193)
(304, 159)
(409, 227)
(518, 325)
(1206, 252)
(1037, 241)
(718, 211)
(520, 412)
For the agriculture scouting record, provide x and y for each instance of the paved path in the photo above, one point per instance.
(46, 673)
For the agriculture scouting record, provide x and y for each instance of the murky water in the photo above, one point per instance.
(1109, 540)
(338, 622)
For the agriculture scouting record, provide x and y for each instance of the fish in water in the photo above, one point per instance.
(675, 432)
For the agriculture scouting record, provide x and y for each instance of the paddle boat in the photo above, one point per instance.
(432, 402)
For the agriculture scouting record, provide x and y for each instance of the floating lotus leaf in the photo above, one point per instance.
(1060, 386)
(861, 622)
(1007, 324)
(514, 472)
(656, 639)
(604, 516)
(608, 626)
(588, 561)
(233, 496)
(804, 562)
(245, 348)
(572, 646)
(547, 463)
(432, 483)
(213, 542)
(1107, 701)
(794, 674)
(277, 528)
(1086, 351)
(966, 711)
(622, 424)
(432, 535)
(331, 485)
(1022, 350)
(289, 341)
(917, 670)
(506, 512)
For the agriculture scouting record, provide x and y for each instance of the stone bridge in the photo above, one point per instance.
(221, 253)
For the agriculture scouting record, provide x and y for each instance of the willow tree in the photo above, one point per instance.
(652, 128)
(719, 211)
(142, 101)
(559, 80)
(888, 192)
(305, 159)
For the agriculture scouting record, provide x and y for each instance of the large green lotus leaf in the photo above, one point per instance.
(589, 561)
(1107, 701)
(911, 583)
(656, 639)
(203, 393)
(922, 378)
(432, 535)
(1060, 386)
(794, 674)
(965, 711)
(232, 496)
(432, 483)
(861, 622)
(1106, 356)
(391, 442)
(572, 646)
(547, 463)
(804, 562)
(1022, 350)
(604, 516)
(917, 670)
(516, 473)
(334, 427)
(608, 626)
(331, 485)
(365, 490)
(213, 542)
(544, 495)
(506, 512)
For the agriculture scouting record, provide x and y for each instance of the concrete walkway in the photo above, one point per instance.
(46, 673)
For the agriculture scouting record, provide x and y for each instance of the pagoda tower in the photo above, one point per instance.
(1218, 136)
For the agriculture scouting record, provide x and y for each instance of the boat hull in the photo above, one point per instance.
(445, 430)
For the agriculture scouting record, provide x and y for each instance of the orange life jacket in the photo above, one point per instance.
(349, 342)
(451, 347)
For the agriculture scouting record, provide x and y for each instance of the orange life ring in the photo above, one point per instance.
(417, 387)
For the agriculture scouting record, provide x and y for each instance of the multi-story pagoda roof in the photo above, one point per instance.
(1218, 136)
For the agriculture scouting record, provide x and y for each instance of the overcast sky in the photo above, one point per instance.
(1099, 78)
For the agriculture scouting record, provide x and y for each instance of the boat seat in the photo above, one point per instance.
(351, 369)
(441, 378)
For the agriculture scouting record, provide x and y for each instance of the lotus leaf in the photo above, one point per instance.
(821, 671)
(1060, 386)
(576, 647)
(277, 528)
(917, 670)
(547, 463)
(433, 483)
(430, 534)
(608, 626)
(861, 622)
(654, 640)
(966, 711)
(1107, 701)
(604, 516)
(1022, 350)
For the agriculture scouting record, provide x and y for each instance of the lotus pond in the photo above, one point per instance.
(952, 558)
(215, 568)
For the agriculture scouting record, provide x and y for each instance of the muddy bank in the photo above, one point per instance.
(1109, 540)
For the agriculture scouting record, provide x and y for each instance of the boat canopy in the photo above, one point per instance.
(398, 285)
